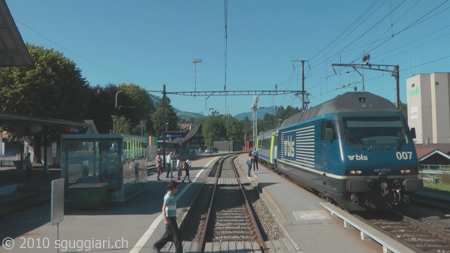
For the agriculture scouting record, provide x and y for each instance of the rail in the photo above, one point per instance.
(389, 244)
(249, 210)
(201, 246)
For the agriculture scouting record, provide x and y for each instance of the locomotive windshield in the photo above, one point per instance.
(375, 131)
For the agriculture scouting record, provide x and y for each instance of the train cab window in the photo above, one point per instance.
(375, 131)
(329, 130)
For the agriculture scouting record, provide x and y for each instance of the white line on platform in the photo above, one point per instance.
(143, 240)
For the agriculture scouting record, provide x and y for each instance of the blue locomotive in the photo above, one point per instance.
(355, 149)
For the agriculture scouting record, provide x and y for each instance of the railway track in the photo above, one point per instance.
(29, 200)
(230, 216)
(412, 233)
(442, 203)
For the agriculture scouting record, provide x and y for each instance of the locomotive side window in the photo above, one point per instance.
(329, 130)
(375, 131)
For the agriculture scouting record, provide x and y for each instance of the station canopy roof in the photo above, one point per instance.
(13, 52)
(21, 121)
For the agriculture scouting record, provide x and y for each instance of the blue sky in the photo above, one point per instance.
(151, 43)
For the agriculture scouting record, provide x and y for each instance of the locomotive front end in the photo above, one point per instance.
(381, 166)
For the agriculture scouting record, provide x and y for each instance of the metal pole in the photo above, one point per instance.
(210, 131)
(164, 120)
(117, 93)
(195, 76)
(361, 77)
(397, 85)
(303, 85)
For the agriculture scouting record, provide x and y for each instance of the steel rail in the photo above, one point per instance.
(435, 232)
(249, 210)
(201, 246)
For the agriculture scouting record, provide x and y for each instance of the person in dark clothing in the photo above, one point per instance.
(169, 211)
(249, 163)
(255, 160)
(28, 166)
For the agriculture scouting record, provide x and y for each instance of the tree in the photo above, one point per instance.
(137, 106)
(101, 107)
(54, 88)
(123, 125)
(134, 104)
(157, 118)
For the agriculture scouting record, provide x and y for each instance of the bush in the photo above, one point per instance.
(445, 179)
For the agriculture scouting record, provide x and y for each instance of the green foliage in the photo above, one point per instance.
(54, 88)
(443, 189)
(445, 179)
(170, 117)
(123, 125)
(134, 102)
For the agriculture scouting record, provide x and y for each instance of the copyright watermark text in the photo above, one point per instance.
(9, 243)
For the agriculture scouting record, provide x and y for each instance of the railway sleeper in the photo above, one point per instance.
(239, 219)
(233, 229)
(434, 248)
(241, 236)
(231, 225)
(427, 240)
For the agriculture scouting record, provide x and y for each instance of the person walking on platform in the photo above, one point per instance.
(169, 165)
(249, 163)
(29, 167)
(169, 212)
(179, 168)
(186, 166)
(158, 165)
(255, 160)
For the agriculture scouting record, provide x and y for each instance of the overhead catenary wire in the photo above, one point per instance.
(70, 51)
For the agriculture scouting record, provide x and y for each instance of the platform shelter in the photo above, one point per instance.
(115, 161)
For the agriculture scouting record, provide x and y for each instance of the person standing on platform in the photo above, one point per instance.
(249, 163)
(169, 165)
(28, 167)
(255, 160)
(169, 212)
(158, 165)
(179, 168)
(187, 165)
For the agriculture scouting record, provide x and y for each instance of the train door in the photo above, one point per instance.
(327, 137)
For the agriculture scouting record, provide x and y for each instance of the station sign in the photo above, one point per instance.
(175, 134)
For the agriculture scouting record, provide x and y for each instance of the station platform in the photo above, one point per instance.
(136, 225)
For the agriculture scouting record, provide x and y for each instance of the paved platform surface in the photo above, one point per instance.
(137, 224)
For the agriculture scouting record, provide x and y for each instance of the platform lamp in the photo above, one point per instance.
(195, 61)
(114, 118)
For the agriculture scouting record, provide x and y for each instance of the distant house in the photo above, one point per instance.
(190, 143)
(433, 156)
(193, 139)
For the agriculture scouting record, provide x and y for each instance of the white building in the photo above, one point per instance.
(428, 98)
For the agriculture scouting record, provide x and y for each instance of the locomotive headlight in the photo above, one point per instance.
(407, 171)
(353, 172)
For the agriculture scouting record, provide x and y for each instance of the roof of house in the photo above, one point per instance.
(425, 151)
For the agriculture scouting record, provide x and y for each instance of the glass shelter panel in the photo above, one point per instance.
(118, 160)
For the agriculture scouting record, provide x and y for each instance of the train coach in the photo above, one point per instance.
(356, 149)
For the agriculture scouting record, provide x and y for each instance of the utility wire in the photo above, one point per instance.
(70, 51)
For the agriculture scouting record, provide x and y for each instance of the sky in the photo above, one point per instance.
(152, 43)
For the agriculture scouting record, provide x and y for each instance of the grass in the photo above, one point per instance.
(439, 188)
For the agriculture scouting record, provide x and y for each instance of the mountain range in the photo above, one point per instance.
(240, 116)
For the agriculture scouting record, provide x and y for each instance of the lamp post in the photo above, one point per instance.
(195, 61)
(142, 126)
(114, 118)
(117, 93)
